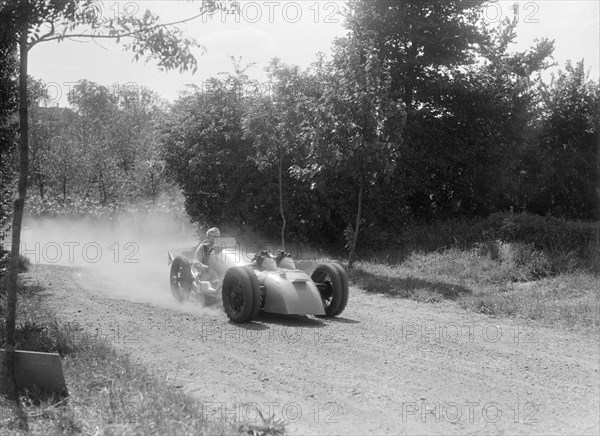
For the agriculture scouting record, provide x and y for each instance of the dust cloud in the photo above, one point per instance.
(127, 257)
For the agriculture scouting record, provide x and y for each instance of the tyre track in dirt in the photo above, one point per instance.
(387, 366)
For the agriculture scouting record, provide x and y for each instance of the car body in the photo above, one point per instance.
(248, 283)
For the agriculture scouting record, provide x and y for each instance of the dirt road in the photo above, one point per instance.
(387, 366)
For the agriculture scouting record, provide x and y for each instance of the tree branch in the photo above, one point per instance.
(125, 34)
(43, 37)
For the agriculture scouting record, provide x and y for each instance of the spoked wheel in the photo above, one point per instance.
(332, 282)
(181, 279)
(241, 294)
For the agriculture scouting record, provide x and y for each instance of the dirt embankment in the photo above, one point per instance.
(385, 366)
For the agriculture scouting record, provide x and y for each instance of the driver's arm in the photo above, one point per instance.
(198, 253)
(200, 256)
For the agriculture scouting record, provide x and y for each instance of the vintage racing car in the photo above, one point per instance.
(249, 283)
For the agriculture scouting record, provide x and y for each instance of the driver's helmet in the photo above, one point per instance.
(213, 233)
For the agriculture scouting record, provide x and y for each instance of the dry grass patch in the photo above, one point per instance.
(568, 300)
(512, 280)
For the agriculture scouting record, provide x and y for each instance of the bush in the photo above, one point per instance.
(94, 210)
(437, 236)
(542, 245)
(567, 245)
(548, 234)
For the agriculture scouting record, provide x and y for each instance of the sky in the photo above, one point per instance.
(291, 30)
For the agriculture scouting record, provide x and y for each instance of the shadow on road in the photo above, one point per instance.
(339, 319)
(290, 320)
(254, 325)
(405, 287)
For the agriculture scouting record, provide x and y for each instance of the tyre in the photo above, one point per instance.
(345, 287)
(241, 294)
(181, 279)
(332, 282)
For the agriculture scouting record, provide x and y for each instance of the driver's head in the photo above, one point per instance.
(213, 233)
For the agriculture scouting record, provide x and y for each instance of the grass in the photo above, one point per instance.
(108, 393)
(567, 300)
(24, 262)
(509, 280)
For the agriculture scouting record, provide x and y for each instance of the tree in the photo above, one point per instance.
(102, 135)
(51, 141)
(425, 45)
(471, 104)
(477, 134)
(143, 113)
(8, 128)
(420, 41)
(206, 154)
(29, 22)
(354, 126)
(567, 179)
(272, 121)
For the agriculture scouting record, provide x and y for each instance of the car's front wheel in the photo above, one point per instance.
(332, 282)
(241, 294)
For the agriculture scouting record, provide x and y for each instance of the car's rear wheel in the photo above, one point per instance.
(332, 281)
(241, 294)
(181, 279)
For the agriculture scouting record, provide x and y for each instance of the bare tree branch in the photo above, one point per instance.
(120, 35)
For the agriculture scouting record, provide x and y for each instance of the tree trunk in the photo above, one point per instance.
(19, 204)
(597, 251)
(102, 188)
(411, 77)
(598, 177)
(358, 220)
(280, 176)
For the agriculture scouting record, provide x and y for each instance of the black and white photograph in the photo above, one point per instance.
(289, 218)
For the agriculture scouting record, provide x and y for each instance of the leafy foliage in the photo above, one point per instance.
(354, 127)
(104, 148)
(168, 207)
(145, 36)
(422, 42)
(547, 233)
(420, 114)
(273, 122)
(8, 130)
(567, 179)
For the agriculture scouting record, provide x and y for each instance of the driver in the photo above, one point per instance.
(204, 249)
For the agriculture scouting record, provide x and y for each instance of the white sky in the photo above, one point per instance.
(292, 30)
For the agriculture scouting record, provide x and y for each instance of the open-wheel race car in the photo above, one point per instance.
(249, 283)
